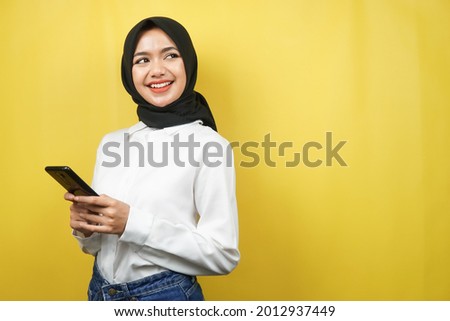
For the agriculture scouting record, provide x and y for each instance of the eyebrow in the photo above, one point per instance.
(143, 53)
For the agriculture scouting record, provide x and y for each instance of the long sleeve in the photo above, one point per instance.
(89, 245)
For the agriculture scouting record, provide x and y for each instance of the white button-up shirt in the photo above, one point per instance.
(180, 184)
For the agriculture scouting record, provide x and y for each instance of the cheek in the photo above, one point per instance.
(181, 75)
(137, 75)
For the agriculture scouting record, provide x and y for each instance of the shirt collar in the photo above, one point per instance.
(169, 130)
(136, 127)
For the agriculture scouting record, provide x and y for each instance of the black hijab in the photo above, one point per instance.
(191, 105)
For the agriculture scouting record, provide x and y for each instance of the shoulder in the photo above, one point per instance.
(118, 135)
(213, 148)
(205, 134)
(115, 135)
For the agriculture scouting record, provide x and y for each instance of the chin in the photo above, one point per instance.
(160, 104)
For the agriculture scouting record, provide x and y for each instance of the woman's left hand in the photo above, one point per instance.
(109, 216)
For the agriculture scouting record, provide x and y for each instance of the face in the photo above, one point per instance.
(158, 69)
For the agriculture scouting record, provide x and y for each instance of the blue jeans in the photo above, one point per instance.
(164, 286)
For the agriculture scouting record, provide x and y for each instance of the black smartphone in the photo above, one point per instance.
(70, 180)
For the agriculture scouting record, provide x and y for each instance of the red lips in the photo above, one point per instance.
(160, 86)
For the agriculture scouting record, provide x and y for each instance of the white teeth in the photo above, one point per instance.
(163, 84)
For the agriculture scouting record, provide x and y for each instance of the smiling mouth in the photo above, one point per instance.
(160, 85)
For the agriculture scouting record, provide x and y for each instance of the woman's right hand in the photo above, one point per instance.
(75, 218)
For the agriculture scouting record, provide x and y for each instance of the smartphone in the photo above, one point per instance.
(65, 176)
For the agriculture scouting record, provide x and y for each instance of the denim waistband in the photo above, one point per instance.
(166, 286)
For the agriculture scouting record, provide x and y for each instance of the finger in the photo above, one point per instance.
(94, 228)
(101, 201)
(93, 209)
(80, 226)
(75, 223)
(69, 196)
(85, 199)
(79, 208)
(95, 219)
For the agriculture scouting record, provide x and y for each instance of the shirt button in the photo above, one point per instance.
(112, 291)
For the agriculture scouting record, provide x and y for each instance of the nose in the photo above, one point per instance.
(157, 68)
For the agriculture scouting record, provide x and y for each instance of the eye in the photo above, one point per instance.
(172, 55)
(142, 60)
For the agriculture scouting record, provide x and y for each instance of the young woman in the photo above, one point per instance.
(167, 210)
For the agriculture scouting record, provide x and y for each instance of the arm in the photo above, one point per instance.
(208, 247)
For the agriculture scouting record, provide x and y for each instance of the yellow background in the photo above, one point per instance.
(375, 73)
